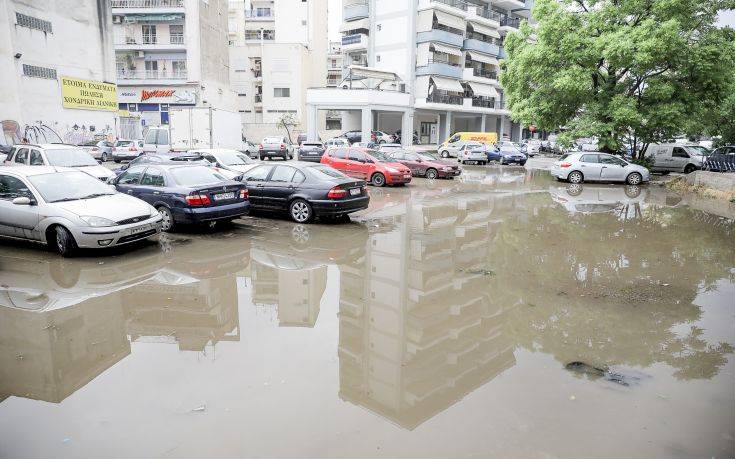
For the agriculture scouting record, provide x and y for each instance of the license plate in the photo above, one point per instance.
(355, 191)
(407, 176)
(223, 196)
(139, 229)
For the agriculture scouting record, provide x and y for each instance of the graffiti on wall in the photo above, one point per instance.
(14, 133)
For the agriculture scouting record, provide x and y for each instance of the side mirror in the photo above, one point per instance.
(22, 201)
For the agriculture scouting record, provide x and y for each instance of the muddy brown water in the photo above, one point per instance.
(440, 323)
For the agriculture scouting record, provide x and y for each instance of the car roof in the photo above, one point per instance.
(55, 146)
(28, 171)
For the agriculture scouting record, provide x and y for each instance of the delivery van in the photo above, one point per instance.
(450, 148)
(673, 157)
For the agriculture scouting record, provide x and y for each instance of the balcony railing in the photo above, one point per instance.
(150, 40)
(443, 60)
(351, 39)
(484, 73)
(177, 39)
(489, 14)
(510, 22)
(257, 73)
(146, 3)
(444, 98)
(453, 3)
(255, 14)
(152, 75)
(437, 26)
(173, 40)
(484, 102)
(484, 38)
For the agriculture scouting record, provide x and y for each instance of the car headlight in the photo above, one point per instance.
(447, 169)
(390, 170)
(97, 221)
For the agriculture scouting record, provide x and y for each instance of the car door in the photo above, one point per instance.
(679, 159)
(591, 167)
(162, 141)
(152, 186)
(255, 179)
(21, 157)
(129, 181)
(17, 220)
(280, 186)
(662, 160)
(611, 168)
(338, 159)
(357, 164)
(413, 162)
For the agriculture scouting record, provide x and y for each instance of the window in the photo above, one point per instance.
(151, 66)
(269, 35)
(176, 33)
(298, 177)
(21, 157)
(357, 156)
(178, 68)
(377, 58)
(24, 20)
(162, 137)
(11, 188)
(39, 72)
(605, 159)
(340, 154)
(590, 159)
(281, 92)
(153, 177)
(131, 176)
(149, 34)
(36, 158)
(379, 27)
(679, 153)
(283, 174)
(258, 174)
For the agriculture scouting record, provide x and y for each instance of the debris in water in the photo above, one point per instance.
(572, 398)
(66, 440)
(200, 408)
(604, 373)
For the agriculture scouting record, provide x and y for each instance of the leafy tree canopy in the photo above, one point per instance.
(628, 72)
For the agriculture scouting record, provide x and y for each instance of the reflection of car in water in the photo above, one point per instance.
(597, 198)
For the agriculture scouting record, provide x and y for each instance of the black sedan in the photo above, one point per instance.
(305, 191)
(311, 151)
(185, 193)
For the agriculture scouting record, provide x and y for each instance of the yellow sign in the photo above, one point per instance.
(88, 95)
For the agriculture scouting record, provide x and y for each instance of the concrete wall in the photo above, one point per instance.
(714, 180)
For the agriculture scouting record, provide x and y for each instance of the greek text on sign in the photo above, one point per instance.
(88, 95)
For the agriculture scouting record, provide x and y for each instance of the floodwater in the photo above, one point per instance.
(438, 324)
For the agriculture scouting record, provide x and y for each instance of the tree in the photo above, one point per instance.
(288, 122)
(628, 72)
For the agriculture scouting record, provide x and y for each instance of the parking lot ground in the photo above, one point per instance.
(500, 314)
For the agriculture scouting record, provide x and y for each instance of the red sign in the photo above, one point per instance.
(145, 95)
(532, 128)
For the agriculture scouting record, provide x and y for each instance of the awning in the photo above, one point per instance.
(354, 25)
(173, 17)
(446, 84)
(479, 57)
(449, 20)
(454, 51)
(370, 72)
(483, 90)
(485, 30)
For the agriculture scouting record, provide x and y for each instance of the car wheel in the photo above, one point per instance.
(63, 242)
(523, 163)
(117, 161)
(431, 174)
(300, 234)
(689, 169)
(300, 211)
(104, 157)
(575, 177)
(167, 218)
(445, 154)
(377, 179)
(634, 179)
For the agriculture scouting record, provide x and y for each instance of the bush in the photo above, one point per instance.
(646, 162)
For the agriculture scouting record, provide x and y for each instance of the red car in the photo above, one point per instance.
(372, 166)
(425, 165)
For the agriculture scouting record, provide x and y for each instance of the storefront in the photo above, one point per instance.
(151, 104)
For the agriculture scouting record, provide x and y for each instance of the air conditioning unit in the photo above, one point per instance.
(117, 19)
(141, 54)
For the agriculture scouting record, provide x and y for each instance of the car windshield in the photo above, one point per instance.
(326, 172)
(233, 158)
(380, 156)
(123, 143)
(702, 151)
(196, 175)
(69, 186)
(69, 157)
(91, 143)
(272, 140)
(428, 157)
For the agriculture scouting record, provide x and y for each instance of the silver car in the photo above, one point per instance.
(598, 167)
(67, 209)
(475, 152)
(57, 155)
(101, 149)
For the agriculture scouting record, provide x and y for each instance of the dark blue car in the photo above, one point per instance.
(162, 158)
(185, 193)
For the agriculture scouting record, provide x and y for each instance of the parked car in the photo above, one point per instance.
(425, 165)
(336, 142)
(59, 155)
(591, 167)
(311, 151)
(68, 209)
(99, 149)
(450, 148)
(373, 166)
(397, 137)
(275, 147)
(250, 149)
(301, 138)
(125, 150)
(163, 158)
(474, 152)
(506, 153)
(388, 147)
(382, 137)
(185, 193)
(231, 163)
(356, 137)
(533, 147)
(672, 157)
(721, 160)
(305, 190)
(157, 140)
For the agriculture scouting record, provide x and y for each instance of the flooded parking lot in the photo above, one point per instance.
(502, 314)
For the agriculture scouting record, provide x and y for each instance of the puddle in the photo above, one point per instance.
(500, 314)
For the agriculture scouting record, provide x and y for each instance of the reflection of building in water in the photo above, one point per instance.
(418, 329)
(294, 286)
(49, 354)
(191, 312)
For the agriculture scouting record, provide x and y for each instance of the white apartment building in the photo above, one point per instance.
(42, 45)
(278, 49)
(427, 66)
(334, 77)
(170, 53)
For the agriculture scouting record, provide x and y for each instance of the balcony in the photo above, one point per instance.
(259, 98)
(355, 41)
(458, 4)
(173, 42)
(485, 102)
(488, 14)
(473, 44)
(438, 97)
(260, 15)
(510, 4)
(509, 22)
(440, 36)
(359, 10)
(147, 6)
(479, 72)
(151, 76)
(441, 68)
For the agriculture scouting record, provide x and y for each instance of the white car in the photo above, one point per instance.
(67, 209)
(57, 155)
(337, 142)
(225, 160)
(598, 167)
(383, 137)
(533, 147)
(126, 149)
(472, 152)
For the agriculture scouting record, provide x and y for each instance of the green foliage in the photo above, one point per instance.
(628, 72)
(645, 161)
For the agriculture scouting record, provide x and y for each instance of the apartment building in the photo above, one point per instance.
(170, 53)
(428, 66)
(278, 49)
(334, 78)
(57, 79)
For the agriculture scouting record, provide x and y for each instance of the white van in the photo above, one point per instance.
(674, 157)
(157, 140)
